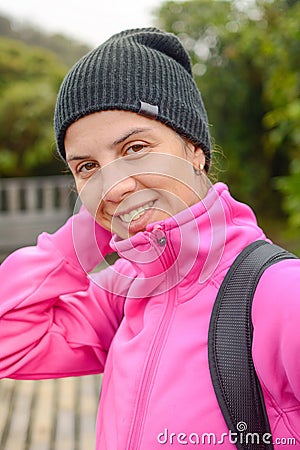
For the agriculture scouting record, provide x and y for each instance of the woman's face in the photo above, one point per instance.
(131, 170)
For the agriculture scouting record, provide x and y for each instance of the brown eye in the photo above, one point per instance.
(87, 167)
(136, 148)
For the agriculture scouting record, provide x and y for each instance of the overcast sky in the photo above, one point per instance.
(91, 21)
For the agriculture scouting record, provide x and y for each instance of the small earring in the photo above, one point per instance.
(198, 171)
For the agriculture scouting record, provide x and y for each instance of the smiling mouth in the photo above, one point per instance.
(136, 213)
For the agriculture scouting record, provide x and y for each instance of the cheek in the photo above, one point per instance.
(178, 195)
(150, 180)
(89, 196)
(171, 190)
(173, 184)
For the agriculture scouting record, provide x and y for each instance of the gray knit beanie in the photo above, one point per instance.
(144, 70)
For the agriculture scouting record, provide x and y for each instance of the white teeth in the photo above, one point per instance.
(135, 213)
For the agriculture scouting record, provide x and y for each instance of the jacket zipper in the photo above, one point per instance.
(142, 399)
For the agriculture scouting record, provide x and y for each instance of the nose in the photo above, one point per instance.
(118, 191)
(116, 184)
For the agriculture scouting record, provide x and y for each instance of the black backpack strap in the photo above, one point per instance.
(230, 346)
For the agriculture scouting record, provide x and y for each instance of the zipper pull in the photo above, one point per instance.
(159, 235)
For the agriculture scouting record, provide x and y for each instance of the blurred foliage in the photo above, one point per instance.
(245, 58)
(32, 66)
(290, 186)
(29, 81)
(66, 48)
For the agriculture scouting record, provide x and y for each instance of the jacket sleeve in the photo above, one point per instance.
(276, 335)
(54, 320)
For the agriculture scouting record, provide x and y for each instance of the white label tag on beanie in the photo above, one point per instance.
(148, 110)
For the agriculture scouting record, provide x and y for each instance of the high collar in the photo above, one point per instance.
(191, 245)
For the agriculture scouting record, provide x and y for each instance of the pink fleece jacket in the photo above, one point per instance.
(144, 322)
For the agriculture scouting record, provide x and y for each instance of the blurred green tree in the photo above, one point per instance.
(68, 49)
(29, 81)
(245, 59)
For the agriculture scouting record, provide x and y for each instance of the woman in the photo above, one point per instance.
(131, 124)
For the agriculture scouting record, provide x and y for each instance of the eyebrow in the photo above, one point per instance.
(77, 157)
(116, 142)
(129, 134)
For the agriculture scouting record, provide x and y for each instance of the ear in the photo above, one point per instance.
(198, 158)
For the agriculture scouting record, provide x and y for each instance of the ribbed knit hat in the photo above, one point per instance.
(144, 70)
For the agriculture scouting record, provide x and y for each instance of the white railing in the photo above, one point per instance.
(29, 206)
